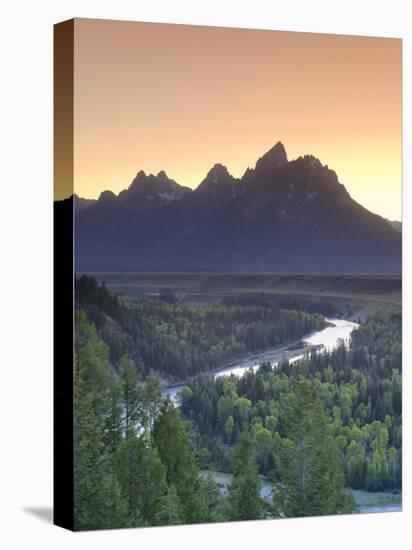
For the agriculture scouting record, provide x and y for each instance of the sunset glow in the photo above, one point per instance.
(182, 98)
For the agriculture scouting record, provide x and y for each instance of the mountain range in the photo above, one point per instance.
(280, 216)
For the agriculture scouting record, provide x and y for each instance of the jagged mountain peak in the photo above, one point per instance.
(148, 191)
(162, 176)
(161, 180)
(218, 181)
(272, 159)
(282, 215)
(217, 173)
(140, 179)
(312, 161)
(218, 188)
(140, 176)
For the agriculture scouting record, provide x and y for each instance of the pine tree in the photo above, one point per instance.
(92, 371)
(244, 501)
(130, 392)
(170, 438)
(311, 477)
(98, 502)
(152, 400)
(113, 431)
(170, 512)
(141, 475)
(112, 506)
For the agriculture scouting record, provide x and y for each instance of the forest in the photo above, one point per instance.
(133, 463)
(311, 429)
(179, 340)
(358, 390)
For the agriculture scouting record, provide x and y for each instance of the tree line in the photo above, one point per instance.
(137, 460)
(358, 389)
(179, 340)
(312, 428)
(133, 462)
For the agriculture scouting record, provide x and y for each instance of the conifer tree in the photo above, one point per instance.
(141, 475)
(98, 502)
(170, 512)
(152, 400)
(244, 501)
(113, 424)
(171, 440)
(311, 476)
(130, 392)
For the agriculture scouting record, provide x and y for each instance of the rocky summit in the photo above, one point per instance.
(281, 216)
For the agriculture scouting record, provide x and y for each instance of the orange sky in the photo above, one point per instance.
(182, 98)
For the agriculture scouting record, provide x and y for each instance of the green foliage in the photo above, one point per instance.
(180, 340)
(170, 512)
(171, 439)
(311, 479)
(141, 475)
(244, 501)
(357, 394)
(131, 392)
(310, 427)
(355, 464)
(151, 401)
(229, 424)
(98, 502)
(125, 477)
(185, 393)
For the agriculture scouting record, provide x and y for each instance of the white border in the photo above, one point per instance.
(26, 275)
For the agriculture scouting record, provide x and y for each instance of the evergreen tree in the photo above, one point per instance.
(171, 440)
(112, 507)
(131, 392)
(152, 400)
(311, 477)
(170, 512)
(113, 431)
(92, 370)
(98, 502)
(244, 501)
(141, 475)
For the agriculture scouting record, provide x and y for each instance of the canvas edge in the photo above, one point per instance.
(63, 296)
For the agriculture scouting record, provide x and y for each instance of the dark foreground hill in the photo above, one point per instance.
(281, 216)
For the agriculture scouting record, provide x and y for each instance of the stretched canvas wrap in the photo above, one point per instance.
(227, 274)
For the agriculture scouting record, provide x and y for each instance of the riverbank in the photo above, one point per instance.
(336, 330)
(367, 502)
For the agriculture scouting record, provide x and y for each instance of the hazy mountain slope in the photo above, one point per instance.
(396, 225)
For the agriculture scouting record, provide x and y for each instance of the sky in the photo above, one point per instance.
(182, 98)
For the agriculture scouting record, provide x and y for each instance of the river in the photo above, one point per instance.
(323, 340)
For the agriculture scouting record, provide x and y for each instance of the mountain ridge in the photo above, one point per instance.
(280, 215)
